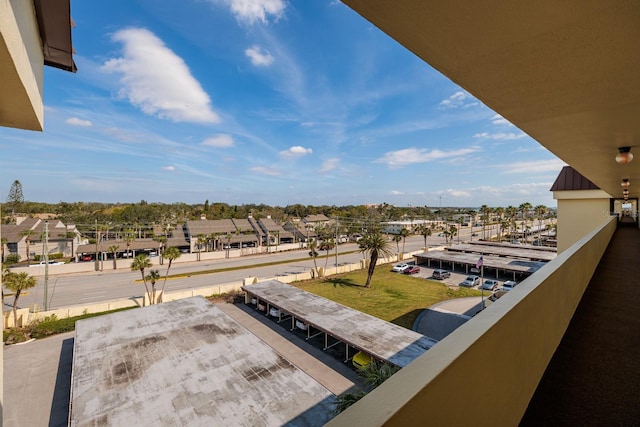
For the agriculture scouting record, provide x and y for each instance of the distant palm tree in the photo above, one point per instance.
(17, 282)
(313, 253)
(376, 244)
(200, 241)
(171, 254)
(152, 278)
(397, 238)
(404, 233)
(425, 232)
(141, 262)
(113, 250)
(326, 246)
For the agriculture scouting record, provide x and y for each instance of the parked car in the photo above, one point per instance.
(275, 312)
(490, 285)
(43, 263)
(399, 268)
(470, 281)
(508, 285)
(360, 360)
(301, 325)
(441, 274)
(413, 269)
(86, 258)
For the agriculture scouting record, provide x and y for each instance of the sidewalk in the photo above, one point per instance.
(37, 382)
(333, 374)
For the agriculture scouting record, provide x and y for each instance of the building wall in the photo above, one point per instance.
(21, 66)
(579, 213)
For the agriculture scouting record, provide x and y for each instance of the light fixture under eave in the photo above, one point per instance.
(624, 155)
(625, 183)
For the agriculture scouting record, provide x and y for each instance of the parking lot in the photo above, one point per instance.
(456, 277)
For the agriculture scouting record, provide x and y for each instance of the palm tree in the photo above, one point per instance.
(327, 245)
(200, 241)
(171, 254)
(152, 278)
(313, 253)
(453, 230)
(141, 262)
(129, 236)
(113, 250)
(404, 233)
(396, 238)
(17, 282)
(376, 244)
(163, 243)
(425, 232)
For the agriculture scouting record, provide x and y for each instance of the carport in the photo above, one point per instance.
(514, 266)
(506, 250)
(382, 340)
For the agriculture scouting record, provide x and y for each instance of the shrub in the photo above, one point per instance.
(12, 259)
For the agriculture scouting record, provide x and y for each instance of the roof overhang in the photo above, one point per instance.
(566, 73)
(32, 34)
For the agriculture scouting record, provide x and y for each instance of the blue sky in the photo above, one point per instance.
(262, 101)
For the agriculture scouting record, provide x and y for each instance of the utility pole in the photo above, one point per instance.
(97, 237)
(46, 265)
(336, 243)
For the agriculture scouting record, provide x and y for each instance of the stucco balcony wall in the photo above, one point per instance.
(502, 352)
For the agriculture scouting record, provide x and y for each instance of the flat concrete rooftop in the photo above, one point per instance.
(186, 362)
(383, 340)
(505, 250)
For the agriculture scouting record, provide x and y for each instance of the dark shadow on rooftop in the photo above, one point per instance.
(59, 415)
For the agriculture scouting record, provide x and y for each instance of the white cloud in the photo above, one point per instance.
(266, 171)
(169, 168)
(295, 151)
(458, 193)
(460, 99)
(499, 120)
(74, 121)
(396, 193)
(219, 141)
(158, 81)
(407, 156)
(500, 136)
(250, 11)
(536, 166)
(258, 56)
(329, 165)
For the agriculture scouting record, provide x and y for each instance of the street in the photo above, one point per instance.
(109, 285)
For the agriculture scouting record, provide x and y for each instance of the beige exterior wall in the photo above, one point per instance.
(503, 352)
(21, 66)
(579, 213)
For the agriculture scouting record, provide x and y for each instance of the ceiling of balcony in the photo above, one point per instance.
(566, 73)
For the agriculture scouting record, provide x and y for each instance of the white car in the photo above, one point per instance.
(508, 285)
(301, 325)
(275, 312)
(470, 281)
(400, 268)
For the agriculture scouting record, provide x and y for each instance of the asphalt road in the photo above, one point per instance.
(108, 285)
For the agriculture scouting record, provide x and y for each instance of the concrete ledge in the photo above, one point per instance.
(522, 330)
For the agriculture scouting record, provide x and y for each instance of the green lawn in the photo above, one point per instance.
(394, 297)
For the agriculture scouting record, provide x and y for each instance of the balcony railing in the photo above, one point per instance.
(486, 371)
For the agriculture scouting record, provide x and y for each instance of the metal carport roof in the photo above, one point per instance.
(382, 340)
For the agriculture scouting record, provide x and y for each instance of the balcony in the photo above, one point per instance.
(514, 363)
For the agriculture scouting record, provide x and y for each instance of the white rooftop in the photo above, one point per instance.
(383, 340)
(186, 363)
